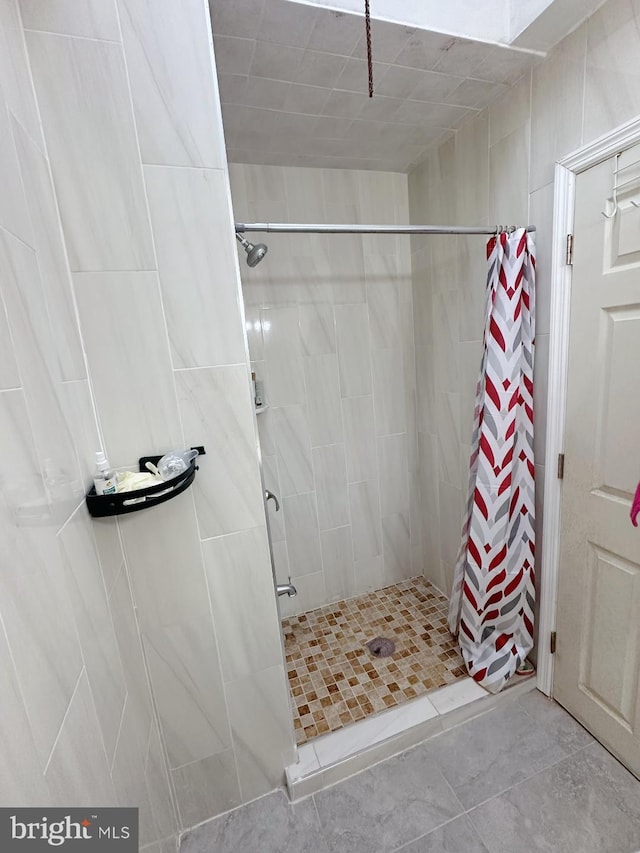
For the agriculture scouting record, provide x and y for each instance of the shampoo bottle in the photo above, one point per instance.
(105, 477)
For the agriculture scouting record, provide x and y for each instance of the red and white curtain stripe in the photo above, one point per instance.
(492, 602)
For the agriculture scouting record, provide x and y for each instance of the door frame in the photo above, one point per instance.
(566, 170)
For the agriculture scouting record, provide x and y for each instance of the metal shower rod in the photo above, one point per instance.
(309, 228)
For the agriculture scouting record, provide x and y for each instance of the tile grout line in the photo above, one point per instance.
(529, 778)
(446, 822)
(467, 812)
(317, 811)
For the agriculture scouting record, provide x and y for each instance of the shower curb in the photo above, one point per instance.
(334, 757)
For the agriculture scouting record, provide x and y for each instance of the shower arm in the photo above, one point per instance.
(309, 228)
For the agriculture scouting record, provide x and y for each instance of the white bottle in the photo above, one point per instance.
(105, 477)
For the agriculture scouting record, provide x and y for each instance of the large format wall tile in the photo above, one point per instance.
(21, 478)
(330, 472)
(285, 375)
(71, 657)
(95, 628)
(187, 685)
(541, 215)
(241, 593)
(396, 546)
(207, 787)
(52, 261)
(303, 539)
(311, 589)
(128, 775)
(322, 384)
(504, 116)
(394, 475)
(197, 265)
(14, 70)
(34, 592)
(84, 101)
(445, 338)
(611, 90)
(317, 329)
(163, 554)
(346, 272)
(352, 329)
(429, 493)
(129, 363)
(388, 391)
(360, 439)
(109, 549)
(364, 502)
(556, 126)
(304, 192)
(21, 780)
(472, 166)
(293, 443)
(215, 407)
(472, 293)
(470, 360)
(130, 645)
(94, 19)
(450, 502)
(79, 414)
(34, 348)
(78, 771)
(448, 420)
(337, 560)
(262, 744)
(14, 215)
(157, 782)
(352, 300)
(509, 178)
(9, 374)
(382, 298)
(173, 82)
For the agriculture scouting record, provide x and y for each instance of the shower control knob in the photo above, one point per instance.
(269, 496)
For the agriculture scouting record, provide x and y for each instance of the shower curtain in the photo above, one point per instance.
(492, 600)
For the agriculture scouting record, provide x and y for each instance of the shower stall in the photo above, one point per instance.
(336, 322)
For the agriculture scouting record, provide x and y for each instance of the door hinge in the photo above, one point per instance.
(569, 257)
(560, 466)
(552, 643)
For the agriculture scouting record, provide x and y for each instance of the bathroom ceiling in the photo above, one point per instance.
(293, 84)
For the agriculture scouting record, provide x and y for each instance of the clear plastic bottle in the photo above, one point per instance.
(105, 477)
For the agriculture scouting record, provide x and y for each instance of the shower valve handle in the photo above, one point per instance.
(269, 496)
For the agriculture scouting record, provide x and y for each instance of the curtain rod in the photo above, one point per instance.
(298, 228)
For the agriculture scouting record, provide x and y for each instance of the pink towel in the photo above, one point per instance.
(635, 507)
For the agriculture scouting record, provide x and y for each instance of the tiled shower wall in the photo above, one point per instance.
(129, 673)
(499, 169)
(77, 725)
(330, 329)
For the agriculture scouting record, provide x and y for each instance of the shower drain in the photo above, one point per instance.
(381, 647)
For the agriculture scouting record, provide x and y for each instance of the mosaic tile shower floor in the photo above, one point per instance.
(334, 678)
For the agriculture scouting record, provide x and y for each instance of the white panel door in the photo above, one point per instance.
(598, 622)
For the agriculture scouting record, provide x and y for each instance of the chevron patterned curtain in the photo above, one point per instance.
(492, 600)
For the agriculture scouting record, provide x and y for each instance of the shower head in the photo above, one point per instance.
(254, 253)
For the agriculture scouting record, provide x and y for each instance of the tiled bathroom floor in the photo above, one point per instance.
(334, 678)
(520, 778)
